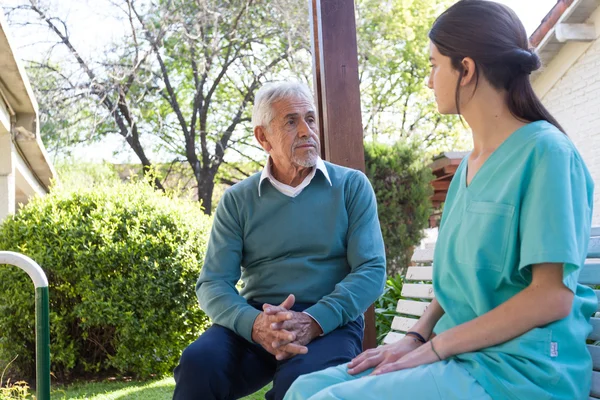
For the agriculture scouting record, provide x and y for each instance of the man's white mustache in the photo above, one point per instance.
(305, 142)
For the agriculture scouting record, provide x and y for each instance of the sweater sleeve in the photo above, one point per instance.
(216, 290)
(366, 258)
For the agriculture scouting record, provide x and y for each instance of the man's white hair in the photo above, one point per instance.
(262, 113)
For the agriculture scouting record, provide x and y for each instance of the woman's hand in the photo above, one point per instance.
(383, 355)
(420, 356)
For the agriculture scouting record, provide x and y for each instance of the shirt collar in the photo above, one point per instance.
(266, 172)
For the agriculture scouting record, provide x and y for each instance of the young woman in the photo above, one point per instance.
(509, 318)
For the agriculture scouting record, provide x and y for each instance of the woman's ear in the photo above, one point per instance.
(260, 134)
(468, 74)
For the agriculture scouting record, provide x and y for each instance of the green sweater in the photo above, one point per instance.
(324, 246)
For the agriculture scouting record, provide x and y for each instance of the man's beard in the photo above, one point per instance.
(309, 159)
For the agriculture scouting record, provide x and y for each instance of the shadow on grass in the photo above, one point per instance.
(154, 393)
(150, 390)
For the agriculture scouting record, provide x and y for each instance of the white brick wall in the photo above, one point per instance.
(575, 102)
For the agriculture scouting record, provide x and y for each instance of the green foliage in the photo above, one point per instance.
(61, 113)
(12, 391)
(122, 261)
(179, 83)
(75, 174)
(402, 185)
(393, 51)
(16, 391)
(385, 306)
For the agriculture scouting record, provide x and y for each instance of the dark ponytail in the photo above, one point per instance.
(493, 36)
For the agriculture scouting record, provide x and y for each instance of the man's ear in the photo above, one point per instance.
(260, 133)
(469, 71)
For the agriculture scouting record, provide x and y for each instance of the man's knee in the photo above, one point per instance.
(197, 358)
(294, 370)
(196, 370)
(202, 371)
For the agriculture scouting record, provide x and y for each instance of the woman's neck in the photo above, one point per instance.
(490, 120)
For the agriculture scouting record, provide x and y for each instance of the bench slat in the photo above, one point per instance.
(422, 256)
(403, 324)
(595, 231)
(418, 291)
(419, 273)
(594, 247)
(595, 334)
(590, 274)
(392, 337)
(411, 307)
(595, 353)
(595, 392)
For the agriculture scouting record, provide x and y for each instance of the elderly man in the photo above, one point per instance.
(304, 237)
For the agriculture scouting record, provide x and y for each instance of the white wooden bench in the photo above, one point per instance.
(417, 293)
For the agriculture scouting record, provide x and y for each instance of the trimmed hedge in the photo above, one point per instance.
(401, 181)
(122, 261)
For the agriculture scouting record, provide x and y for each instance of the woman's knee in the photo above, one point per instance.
(308, 385)
(302, 388)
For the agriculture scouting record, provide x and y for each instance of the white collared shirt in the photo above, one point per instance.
(287, 189)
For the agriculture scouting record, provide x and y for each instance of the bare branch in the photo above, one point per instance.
(258, 163)
(65, 40)
(244, 173)
(223, 142)
(135, 42)
(165, 75)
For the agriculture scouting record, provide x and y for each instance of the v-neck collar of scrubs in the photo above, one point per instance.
(504, 146)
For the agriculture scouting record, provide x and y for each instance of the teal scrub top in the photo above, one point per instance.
(529, 203)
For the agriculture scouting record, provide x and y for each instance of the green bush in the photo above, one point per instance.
(385, 306)
(401, 181)
(122, 261)
(17, 391)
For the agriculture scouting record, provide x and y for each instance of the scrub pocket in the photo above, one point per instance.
(534, 344)
(535, 348)
(483, 235)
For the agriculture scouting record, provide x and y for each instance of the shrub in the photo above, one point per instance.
(385, 306)
(16, 391)
(402, 185)
(122, 261)
(13, 391)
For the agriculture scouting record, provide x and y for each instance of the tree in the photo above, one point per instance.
(394, 64)
(63, 119)
(181, 81)
(178, 85)
(402, 186)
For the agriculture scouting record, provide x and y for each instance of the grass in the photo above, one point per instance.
(153, 390)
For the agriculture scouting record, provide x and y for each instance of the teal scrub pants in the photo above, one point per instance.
(441, 380)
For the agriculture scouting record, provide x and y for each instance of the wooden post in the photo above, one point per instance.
(337, 94)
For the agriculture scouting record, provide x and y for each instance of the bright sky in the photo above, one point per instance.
(531, 12)
(92, 29)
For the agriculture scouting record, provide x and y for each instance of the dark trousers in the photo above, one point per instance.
(221, 365)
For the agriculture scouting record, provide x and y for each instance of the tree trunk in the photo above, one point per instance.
(206, 186)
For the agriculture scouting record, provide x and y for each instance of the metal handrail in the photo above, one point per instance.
(42, 319)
